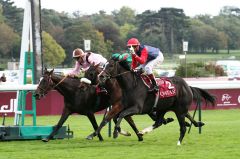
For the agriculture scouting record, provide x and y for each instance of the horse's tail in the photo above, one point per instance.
(199, 94)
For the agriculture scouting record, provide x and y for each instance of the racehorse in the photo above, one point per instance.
(3, 78)
(115, 94)
(79, 97)
(137, 99)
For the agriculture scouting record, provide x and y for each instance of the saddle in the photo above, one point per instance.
(166, 87)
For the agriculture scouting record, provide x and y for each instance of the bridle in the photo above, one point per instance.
(50, 84)
(108, 75)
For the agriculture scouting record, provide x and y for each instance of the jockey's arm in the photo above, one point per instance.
(76, 70)
(141, 60)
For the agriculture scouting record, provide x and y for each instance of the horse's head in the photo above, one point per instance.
(109, 71)
(117, 66)
(45, 84)
(3, 78)
(92, 73)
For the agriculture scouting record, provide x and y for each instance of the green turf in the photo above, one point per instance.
(219, 140)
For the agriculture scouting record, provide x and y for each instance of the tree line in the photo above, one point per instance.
(166, 28)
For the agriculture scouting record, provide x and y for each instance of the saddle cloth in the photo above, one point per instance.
(166, 87)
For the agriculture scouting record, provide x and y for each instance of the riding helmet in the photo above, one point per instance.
(133, 42)
(78, 53)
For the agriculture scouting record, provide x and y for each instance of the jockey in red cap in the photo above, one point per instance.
(145, 56)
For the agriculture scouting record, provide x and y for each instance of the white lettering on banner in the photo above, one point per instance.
(226, 99)
(6, 109)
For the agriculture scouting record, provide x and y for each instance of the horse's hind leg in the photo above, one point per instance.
(153, 116)
(158, 122)
(63, 118)
(181, 121)
(195, 123)
(92, 119)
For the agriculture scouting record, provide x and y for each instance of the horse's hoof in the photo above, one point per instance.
(140, 133)
(90, 137)
(140, 138)
(45, 139)
(178, 143)
(169, 120)
(115, 134)
(187, 124)
(125, 133)
(200, 124)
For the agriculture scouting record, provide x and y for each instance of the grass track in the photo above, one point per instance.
(219, 140)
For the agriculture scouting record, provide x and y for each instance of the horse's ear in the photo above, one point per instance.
(51, 72)
(45, 69)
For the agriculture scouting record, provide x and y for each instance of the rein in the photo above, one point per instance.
(120, 74)
(60, 81)
(110, 76)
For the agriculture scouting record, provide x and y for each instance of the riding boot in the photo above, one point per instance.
(154, 84)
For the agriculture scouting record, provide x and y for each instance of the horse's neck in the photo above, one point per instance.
(128, 81)
(62, 86)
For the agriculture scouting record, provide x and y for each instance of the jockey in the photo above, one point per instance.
(147, 57)
(84, 60)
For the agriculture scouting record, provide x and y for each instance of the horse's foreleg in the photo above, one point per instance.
(127, 112)
(112, 113)
(63, 118)
(93, 121)
(120, 130)
(132, 124)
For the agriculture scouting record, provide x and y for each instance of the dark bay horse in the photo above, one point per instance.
(137, 100)
(79, 97)
(115, 93)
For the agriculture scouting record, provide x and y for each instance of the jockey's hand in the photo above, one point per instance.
(131, 49)
(71, 75)
(134, 70)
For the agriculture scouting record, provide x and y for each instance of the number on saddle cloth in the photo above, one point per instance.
(167, 88)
